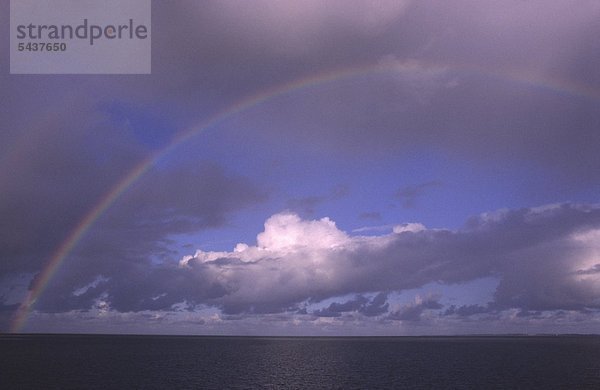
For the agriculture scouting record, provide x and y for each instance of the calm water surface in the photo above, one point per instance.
(168, 362)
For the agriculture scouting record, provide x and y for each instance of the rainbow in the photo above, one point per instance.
(391, 67)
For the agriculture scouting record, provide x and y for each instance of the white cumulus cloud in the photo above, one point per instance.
(544, 259)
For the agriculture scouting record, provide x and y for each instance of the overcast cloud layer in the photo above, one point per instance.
(448, 185)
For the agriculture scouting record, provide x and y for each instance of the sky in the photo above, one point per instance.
(312, 168)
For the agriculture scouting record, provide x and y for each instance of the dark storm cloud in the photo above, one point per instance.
(218, 52)
(62, 151)
(138, 228)
(70, 162)
(188, 197)
(51, 178)
(475, 81)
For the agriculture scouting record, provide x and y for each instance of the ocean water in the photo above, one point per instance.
(182, 362)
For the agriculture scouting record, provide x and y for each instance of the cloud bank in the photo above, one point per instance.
(546, 260)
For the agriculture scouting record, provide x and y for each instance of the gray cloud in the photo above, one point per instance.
(483, 92)
(590, 271)
(409, 195)
(414, 311)
(535, 253)
(307, 205)
(52, 177)
(466, 310)
(466, 111)
(360, 304)
(137, 229)
(377, 306)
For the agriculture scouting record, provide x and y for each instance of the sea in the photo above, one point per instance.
(202, 362)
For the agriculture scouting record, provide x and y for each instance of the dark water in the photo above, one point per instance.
(157, 362)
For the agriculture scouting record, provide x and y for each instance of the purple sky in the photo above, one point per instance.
(437, 172)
